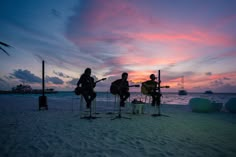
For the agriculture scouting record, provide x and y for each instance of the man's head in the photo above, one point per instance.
(152, 77)
(87, 71)
(124, 76)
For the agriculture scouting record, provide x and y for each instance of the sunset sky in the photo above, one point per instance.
(191, 38)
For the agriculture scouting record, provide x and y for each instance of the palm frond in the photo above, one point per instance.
(6, 45)
(5, 51)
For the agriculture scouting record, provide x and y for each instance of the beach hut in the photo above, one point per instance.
(231, 105)
(201, 105)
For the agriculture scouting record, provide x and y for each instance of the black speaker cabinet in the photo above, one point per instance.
(43, 102)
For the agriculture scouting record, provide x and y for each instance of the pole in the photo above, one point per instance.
(43, 98)
(159, 91)
(43, 83)
(159, 97)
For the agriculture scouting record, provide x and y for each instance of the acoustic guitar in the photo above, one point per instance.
(114, 89)
(78, 90)
(147, 88)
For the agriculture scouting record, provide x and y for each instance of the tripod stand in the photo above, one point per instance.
(157, 106)
(158, 102)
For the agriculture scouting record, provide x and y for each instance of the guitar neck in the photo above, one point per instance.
(134, 86)
(99, 80)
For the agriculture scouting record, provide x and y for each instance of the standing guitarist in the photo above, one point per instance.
(121, 87)
(150, 88)
(87, 84)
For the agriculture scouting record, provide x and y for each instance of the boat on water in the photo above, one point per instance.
(27, 89)
(208, 92)
(182, 91)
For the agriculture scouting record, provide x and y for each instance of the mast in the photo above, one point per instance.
(182, 82)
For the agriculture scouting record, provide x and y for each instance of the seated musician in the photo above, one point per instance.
(121, 87)
(87, 84)
(150, 88)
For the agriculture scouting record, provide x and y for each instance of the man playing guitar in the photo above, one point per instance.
(121, 87)
(149, 88)
(86, 84)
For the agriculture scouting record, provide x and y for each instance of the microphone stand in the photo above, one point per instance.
(158, 103)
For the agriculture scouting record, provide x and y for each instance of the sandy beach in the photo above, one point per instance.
(60, 132)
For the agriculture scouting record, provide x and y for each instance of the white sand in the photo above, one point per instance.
(60, 132)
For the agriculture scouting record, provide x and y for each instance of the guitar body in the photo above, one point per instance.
(114, 89)
(144, 90)
(148, 87)
(78, 90)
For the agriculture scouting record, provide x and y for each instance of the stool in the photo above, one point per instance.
(81, 103)
(116, 103)
(119, 116)
(148, 102)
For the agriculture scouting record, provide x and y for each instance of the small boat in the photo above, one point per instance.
(21, 88)
(27, 89)
(182, 91)
(208, 92)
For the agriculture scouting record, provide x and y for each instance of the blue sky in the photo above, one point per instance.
(191, 38)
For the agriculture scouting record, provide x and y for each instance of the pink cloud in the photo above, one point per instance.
(199, 36)
(126, 30)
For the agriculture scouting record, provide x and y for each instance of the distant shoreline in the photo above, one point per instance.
(29, 92)
(57, 92)
(161, 92)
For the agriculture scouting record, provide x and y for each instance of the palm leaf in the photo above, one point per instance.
(6, 45)
(4, 51)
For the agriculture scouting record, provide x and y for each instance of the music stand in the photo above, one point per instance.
(157, 105)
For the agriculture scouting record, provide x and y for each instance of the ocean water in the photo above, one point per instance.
(167, 98)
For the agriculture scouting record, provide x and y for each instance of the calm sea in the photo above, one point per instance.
(167, 98)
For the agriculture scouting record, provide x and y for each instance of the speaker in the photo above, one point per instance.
(43, 102)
